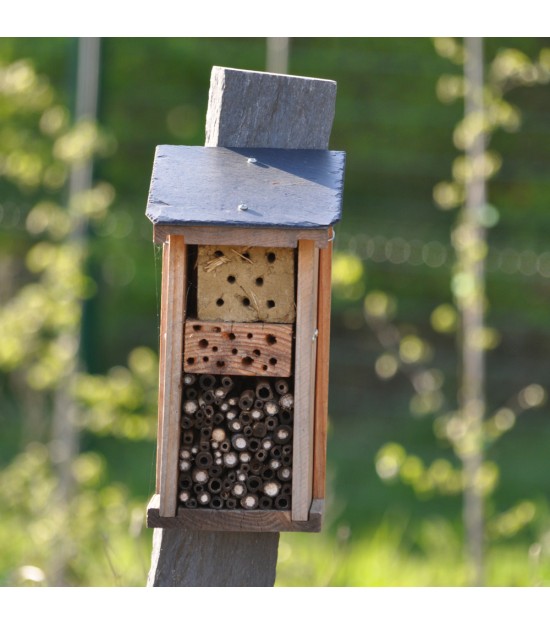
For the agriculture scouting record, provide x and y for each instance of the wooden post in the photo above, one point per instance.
(245, 109)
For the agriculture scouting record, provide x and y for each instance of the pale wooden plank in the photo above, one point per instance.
(236, 520)
(322, 373)
(175, 314)
(260, 237)
(306, 313)
(259, 349)
(162, 356)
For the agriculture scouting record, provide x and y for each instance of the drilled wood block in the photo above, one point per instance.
(261, 349)
(237, 283)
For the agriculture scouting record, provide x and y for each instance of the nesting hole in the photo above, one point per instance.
(271, 339)
(218, 253)
(190, 361)
(215, 348)
(216, 329)
(232, 336)
(220, 364)
(247, 361)
(231, 279)
(264, 367)
(247, 255)
(271, 257)
(203, 343)
(257, 352)
(205, 358)
(234, 351)
(249, 335)
(259, 281)
(272, 361)
(220, 302)
(246, 301)
(271, 303)
(197, 328)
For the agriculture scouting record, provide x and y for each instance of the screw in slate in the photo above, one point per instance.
(242, 207)
(251, 160)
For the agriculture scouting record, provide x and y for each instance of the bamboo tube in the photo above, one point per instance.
(215, 471)
(245, 417)
(265, 503)
(271, 488)
(204, 460)
(238, 489)
(286, 490)
(271, 423)
(204, 445)
(185, 465)
(218, 435)
(204, 498)
(285, 417)
(249, 501)
(218, 418)
(267, 443)
(246, 400)
(286, 401)
(261, 455)
(227, 382)
(235, 425)
(257, 414)
(274, 464)
(198, 488)
(282, 434)
(208, 397)
(185, 454)
(281, 386)
(282, 502)
(187, 438)
(239, 442)
(259, 404)
(186, 423)
(230, 459)
(192, 503)
(208, 411)
(189, 379)
(263, 390)
(191, 393)
(287, 450)
(254, 444)
(200, 476)
(255, 467)
(271, 408)
(259, 430)
(284, 474)
(275, 451)
(190, 406)
(286, 460)
(231, 503)
(185, 481)
(184, 496)
(247, 431)
(267, 473)
(207, 381)
(216, 502)
(215, 485)
(245, 457)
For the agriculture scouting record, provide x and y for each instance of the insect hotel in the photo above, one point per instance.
(244, 336)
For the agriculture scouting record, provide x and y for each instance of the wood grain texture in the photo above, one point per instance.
(260, 237)
(243, 283)
(171, 414)
(221, 348)
(322, 373)
(192, 185)
(162, 357)
(304, 376)
(259, 109)
(236, 520)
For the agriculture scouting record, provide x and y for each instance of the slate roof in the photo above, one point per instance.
(282, 189)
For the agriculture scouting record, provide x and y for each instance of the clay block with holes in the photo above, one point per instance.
(261, 349)
(238, 283)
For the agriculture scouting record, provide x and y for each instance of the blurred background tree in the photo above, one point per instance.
(105, 292)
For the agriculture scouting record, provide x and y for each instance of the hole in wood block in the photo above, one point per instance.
(245, 279)
(245, 349)
(270, 303)
(220, 364)
(197, 328)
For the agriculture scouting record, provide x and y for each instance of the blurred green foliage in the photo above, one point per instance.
(392, 240)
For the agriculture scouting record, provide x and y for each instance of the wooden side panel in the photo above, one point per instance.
(162, 356)
(175, 315)
(306, 319)
(221, 348)
(322, 374)
(260, 237)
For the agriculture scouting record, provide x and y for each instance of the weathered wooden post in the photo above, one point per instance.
(245, 316)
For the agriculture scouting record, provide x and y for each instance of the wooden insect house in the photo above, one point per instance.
(244, 345)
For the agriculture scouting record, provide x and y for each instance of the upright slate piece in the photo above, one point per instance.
(256, 109)
(246, 109)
